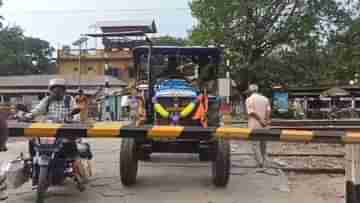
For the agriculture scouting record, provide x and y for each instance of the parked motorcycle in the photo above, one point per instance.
(52, 160)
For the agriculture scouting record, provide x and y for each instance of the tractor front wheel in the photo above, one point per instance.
(221, 163)
(128, 161)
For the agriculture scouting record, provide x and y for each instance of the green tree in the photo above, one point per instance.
(23, 55)
(255, 32)
(40, 52)
(1, 17)
(343, 49)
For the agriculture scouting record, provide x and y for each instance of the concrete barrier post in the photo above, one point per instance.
(352, 173)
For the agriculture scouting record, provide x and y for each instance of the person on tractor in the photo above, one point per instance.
(172, 71)
(58, 107)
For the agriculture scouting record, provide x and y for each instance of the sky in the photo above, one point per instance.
(62, 22)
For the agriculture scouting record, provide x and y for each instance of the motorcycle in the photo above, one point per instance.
(53, 160)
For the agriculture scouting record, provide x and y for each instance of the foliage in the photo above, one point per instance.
(273, 41)
(1, 17)
(23, 55)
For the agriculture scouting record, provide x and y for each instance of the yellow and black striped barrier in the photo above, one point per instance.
(121, 130)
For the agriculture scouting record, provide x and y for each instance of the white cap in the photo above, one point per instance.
(253, 88)
(57, 82)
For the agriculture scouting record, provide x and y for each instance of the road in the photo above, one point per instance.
(180, 178)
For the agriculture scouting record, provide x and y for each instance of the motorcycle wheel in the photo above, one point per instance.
(43, 184)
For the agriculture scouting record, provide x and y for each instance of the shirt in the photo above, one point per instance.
(260, 105)
(82, 101)
(56, 112)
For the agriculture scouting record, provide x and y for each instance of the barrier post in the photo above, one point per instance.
(348, 181)
(352, 170)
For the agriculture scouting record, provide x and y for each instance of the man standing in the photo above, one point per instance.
(259, 112)
(83, 103)
(108, 114)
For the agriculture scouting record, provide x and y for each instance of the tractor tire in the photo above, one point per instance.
(43, 184)
(221, 163)
(128, 161)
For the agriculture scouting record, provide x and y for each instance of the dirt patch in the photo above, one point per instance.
(324, 187)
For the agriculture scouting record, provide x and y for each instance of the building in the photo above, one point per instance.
(115, 59)
(94, 63)
(30, 89)
(318, 102)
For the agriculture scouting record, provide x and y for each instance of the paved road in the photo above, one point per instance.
(168, 178)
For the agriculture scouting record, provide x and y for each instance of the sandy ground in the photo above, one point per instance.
(182, 178)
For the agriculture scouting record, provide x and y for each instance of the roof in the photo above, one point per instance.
(87, 91)
(335, 91)
(43, 81)
(145, 26)
(304, 94)
(176, 50)
(117, 34)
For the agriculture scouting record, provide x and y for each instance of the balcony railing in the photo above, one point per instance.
(94, 54)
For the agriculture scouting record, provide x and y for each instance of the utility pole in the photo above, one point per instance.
(352, 158)
(79, 76)
(79, 42)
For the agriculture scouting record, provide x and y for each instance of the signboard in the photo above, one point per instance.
(225, 108)
(281, 101)
(224, 87)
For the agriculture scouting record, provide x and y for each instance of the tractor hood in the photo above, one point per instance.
(175, 88)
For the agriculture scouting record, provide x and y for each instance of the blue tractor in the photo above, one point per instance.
(179, 90)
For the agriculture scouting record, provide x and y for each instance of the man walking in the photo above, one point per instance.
(259, 112)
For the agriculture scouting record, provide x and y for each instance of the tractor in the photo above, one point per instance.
(176, 87)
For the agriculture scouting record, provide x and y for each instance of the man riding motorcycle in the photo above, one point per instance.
(58, 108)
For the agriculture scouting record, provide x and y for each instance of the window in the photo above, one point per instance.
(6, 99)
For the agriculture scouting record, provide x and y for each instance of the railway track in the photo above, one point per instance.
(303, 163)
(294, 155)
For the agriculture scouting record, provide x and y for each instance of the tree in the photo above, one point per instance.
(253, 31)
(21, 55)
(343, 49)
(40, 52)
(11, 50)
(1, 17)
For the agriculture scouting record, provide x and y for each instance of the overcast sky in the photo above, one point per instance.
(61, 22)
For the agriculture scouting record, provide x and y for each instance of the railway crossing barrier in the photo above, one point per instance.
(120, 130)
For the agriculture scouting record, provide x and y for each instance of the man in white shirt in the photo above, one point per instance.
(259, 112)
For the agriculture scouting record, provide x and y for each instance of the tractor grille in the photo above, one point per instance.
(168, 104)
